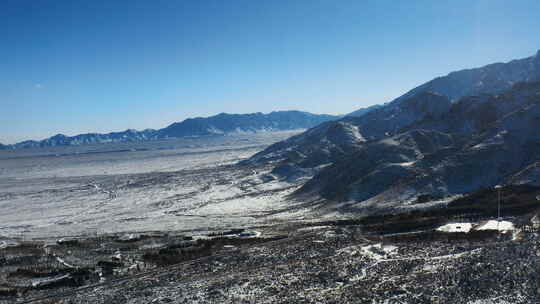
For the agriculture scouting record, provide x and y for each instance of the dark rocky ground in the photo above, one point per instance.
(379, 259)
(341, 265)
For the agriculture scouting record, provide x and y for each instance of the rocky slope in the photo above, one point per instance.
(430, 100)
(333, 140)
(479, 142)
(214, 125)
(431, 142)
(492, 78)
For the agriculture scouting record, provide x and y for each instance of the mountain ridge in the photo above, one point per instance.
(490, 78)
(442, 162)
(423, 143)
(252, 122)
(430, 98)
(363, 111)
(219, 124)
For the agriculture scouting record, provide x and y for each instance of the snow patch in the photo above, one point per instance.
(406, 164)
(48, 280)
(378, 251)
(355, 132)
(498, 139)
(312, 228)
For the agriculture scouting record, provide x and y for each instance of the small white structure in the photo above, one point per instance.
(496, 225)
(456, 227)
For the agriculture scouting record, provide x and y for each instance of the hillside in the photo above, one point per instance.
(323, 143)
(429, 143)
(479, 142)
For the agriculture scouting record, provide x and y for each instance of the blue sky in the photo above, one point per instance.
(98, 66)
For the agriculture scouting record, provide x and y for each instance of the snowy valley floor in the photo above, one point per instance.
(183, 185)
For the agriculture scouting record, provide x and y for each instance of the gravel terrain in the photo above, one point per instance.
(343, 265)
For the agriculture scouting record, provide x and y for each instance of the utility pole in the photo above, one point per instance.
(498, 187)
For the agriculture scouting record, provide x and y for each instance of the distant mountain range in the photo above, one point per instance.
(215, 125)
(89, 138)
(470, 129)
(240, 123)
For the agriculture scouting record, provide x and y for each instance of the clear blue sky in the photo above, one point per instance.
(98, 66)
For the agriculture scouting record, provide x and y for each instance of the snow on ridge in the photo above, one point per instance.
(355, 132)
(498, 139)
(214, 130)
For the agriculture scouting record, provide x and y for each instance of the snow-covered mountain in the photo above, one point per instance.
(320, 145)
(471, 129)
(492, 78)
(214, 125)
(234, 123)
(89, 138)
(333, 140)
(479, 142)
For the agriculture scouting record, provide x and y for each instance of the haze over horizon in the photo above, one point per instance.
(76, 66)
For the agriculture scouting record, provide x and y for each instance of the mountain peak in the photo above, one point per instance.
(491, 78)
(428, 102)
